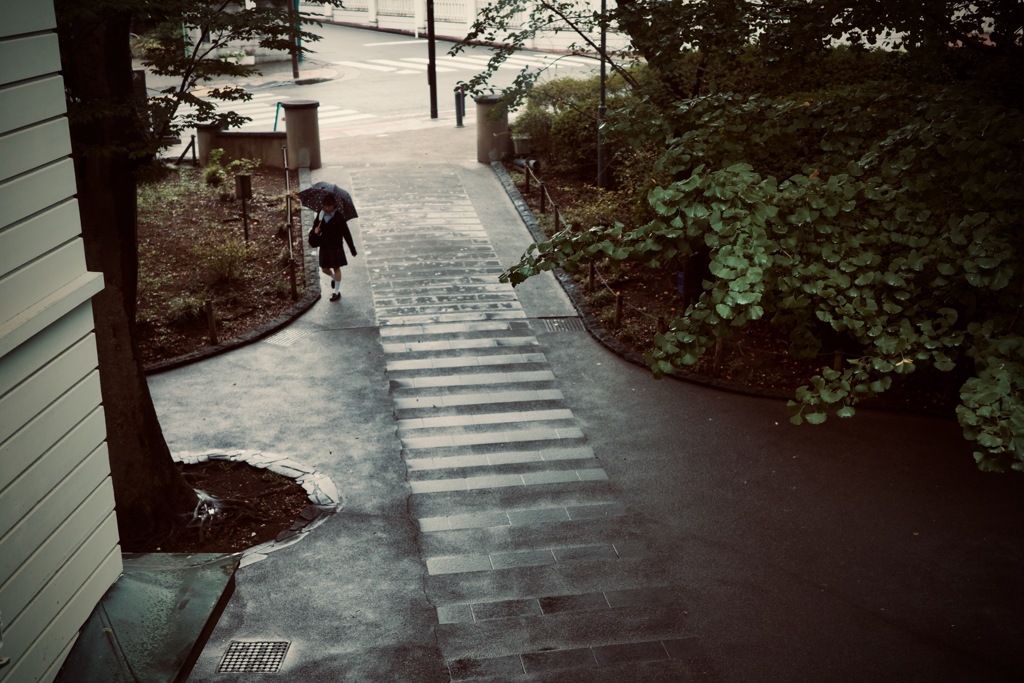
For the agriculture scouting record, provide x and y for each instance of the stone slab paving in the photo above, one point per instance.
(534, 566)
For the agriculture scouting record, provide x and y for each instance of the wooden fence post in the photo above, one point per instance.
(211, 322)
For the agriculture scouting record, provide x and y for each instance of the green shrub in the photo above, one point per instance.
(213, 173)
(186, 309)
(225, 261)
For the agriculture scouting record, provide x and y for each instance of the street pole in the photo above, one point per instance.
(601, 105)
(431, 60)
(293, 11)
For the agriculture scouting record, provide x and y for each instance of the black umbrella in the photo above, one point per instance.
(313, 198)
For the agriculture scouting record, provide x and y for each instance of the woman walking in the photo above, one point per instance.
(332, 229)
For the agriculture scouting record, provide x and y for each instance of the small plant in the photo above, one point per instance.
(214, 173)
(186, 309)
(243, 166)
(225, 262)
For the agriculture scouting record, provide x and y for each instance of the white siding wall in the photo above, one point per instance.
(58, 536)
(452, 19)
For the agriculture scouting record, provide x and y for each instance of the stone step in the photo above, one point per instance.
(477, 482)
(437, 269)
(532, 473)
(440, 318)
(410, 426)
(463, 465)
(432, 348)
(426, 404)
(472, 379)
(594, 539)
(417, 299)
(522, 517)
(458, 294)
(501, 608)
(382, 288)
(567, 578)
(665, 660)
(500, 560)
(569, 494)
(562, 622)
(459, 362)
(455, 330)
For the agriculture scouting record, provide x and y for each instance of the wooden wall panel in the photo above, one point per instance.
(59, 549)
(27, 103)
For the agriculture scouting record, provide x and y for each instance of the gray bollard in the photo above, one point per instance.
(302, 130)
(493, 142)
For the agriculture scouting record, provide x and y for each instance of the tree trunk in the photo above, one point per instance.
(150, 494)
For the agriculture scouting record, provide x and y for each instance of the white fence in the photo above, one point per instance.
(452, 19)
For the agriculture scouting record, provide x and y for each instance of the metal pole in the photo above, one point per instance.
(431, 60)
(458, 107)
(245, 220)
(601, 107)
(293, 12)
(288, 200)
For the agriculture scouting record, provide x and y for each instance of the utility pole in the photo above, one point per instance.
(431, 60)
(601, 105)
(293, 15)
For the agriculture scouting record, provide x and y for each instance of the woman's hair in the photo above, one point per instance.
(329, 200)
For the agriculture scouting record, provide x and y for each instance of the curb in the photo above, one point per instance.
(321, 491)
(310, 295)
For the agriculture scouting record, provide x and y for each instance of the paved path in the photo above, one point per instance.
(519, 504)
(521, 533)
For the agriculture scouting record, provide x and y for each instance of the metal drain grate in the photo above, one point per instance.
(259, 656)
(286, 337)
(563, 324)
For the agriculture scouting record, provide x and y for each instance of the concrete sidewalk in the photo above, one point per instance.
(518, 503)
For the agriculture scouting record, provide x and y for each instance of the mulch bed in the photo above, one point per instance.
(254, 506)
(190, 240)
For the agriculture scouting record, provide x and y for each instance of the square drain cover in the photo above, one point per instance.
(262, 656)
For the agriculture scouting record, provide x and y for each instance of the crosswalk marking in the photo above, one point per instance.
(264, 114)
(367, 65)
(408, 63)
(443, 64)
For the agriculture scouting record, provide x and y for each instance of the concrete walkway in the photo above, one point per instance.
(520, 504)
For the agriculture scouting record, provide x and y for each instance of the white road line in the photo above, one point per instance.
(364, 65)
(412, 61)
(396, 42)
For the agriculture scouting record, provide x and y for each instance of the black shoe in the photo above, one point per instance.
(336, 296)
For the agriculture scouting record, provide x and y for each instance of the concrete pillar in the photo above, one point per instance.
(493, 142)
(303, 133)
(206, 139)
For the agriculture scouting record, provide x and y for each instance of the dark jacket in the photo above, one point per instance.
(333, 234)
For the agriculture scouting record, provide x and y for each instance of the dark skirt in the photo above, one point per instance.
(332, 258)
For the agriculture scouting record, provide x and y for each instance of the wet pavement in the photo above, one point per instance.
(516, 502)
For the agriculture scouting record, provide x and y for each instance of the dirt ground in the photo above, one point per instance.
(193, 249)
